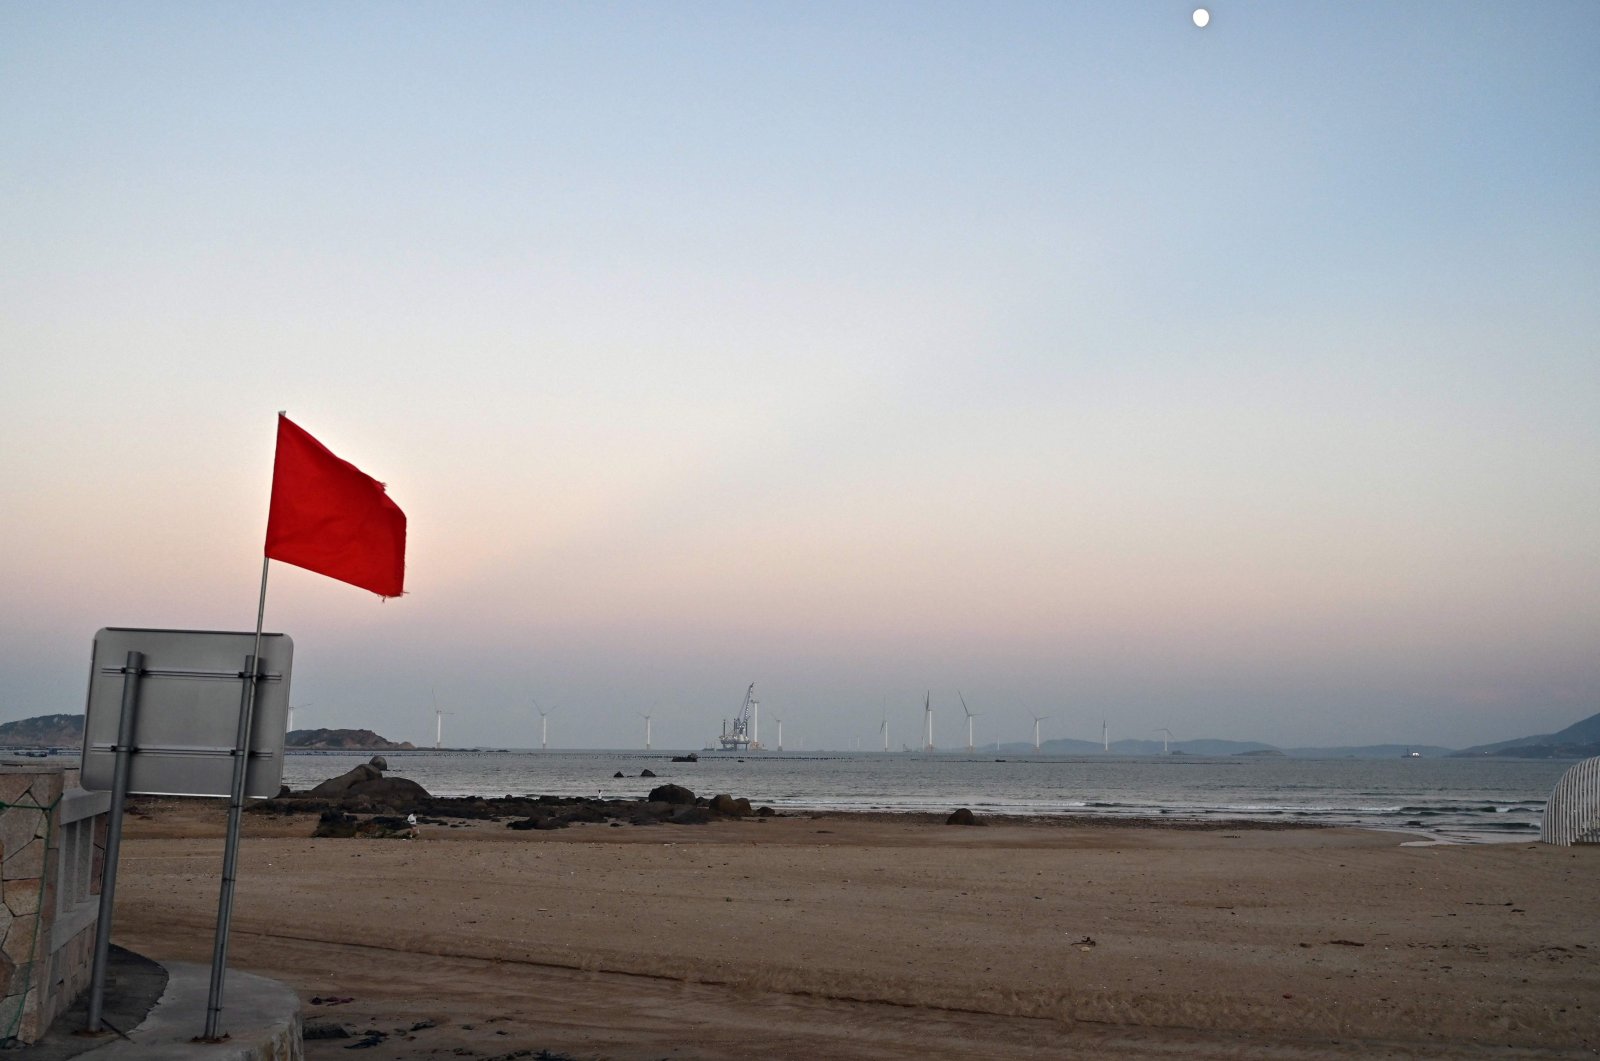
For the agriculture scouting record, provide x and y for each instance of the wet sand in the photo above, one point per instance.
(890, 937)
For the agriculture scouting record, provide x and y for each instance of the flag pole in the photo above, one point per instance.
(230, 854)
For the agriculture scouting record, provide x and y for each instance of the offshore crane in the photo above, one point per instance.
(746, 729)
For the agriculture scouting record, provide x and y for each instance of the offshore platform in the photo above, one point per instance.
(744, 735)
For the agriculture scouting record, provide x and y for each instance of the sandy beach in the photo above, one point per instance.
(888, 937)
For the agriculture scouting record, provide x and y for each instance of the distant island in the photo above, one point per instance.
(43, 731)
(66, 731)
(355, 740)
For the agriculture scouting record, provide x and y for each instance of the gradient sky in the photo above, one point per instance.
(1243, 381)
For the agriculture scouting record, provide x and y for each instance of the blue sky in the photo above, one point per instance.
(1240, 381)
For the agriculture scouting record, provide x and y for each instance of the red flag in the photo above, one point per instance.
(330, 517)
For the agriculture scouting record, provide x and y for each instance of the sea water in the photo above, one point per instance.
(1454, 799)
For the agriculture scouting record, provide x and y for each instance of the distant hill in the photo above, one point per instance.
(1070, 746)
(362, 740)
(1370, 751)
(1581, 740)
(43, 731)
(1218, 748)
(1189, 747)
(1063, 746)
(66, 731)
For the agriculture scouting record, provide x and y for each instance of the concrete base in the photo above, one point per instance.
(260, 1018)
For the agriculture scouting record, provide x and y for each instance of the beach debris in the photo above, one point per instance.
(1345, 943)
(329, 1000)
(962, 816)
(324, 1030)
(1085, 943)
(371, 1039)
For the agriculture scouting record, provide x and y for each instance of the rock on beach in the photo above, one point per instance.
(365, 791)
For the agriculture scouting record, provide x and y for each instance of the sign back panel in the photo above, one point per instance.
(188, 716)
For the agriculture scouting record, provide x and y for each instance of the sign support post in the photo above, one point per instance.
(131, 672)
(230, 855)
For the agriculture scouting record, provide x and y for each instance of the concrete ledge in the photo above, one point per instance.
(260, 1017)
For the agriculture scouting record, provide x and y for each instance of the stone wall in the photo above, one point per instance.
(52, 854)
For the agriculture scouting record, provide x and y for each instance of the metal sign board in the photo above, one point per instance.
(188, 711)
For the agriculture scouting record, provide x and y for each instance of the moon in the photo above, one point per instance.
(1201, 17)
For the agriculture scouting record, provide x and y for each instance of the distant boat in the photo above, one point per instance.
(1411, 754)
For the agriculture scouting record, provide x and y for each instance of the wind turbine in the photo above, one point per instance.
(544, 725)
(1105, 737)
(780, 733)
(292, 709)
(646, 718)
(927, 715)
(1036, 720)
(883, 727)
(438, 721)
(970, 716)
(1166, 735)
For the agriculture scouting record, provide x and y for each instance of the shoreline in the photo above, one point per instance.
(1461, 800)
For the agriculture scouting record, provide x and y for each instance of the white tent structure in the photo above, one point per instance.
(1572, 815)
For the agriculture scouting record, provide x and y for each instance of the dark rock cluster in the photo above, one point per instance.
(666, 804)
(366, 784)
(378, 827)
(364, 803)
